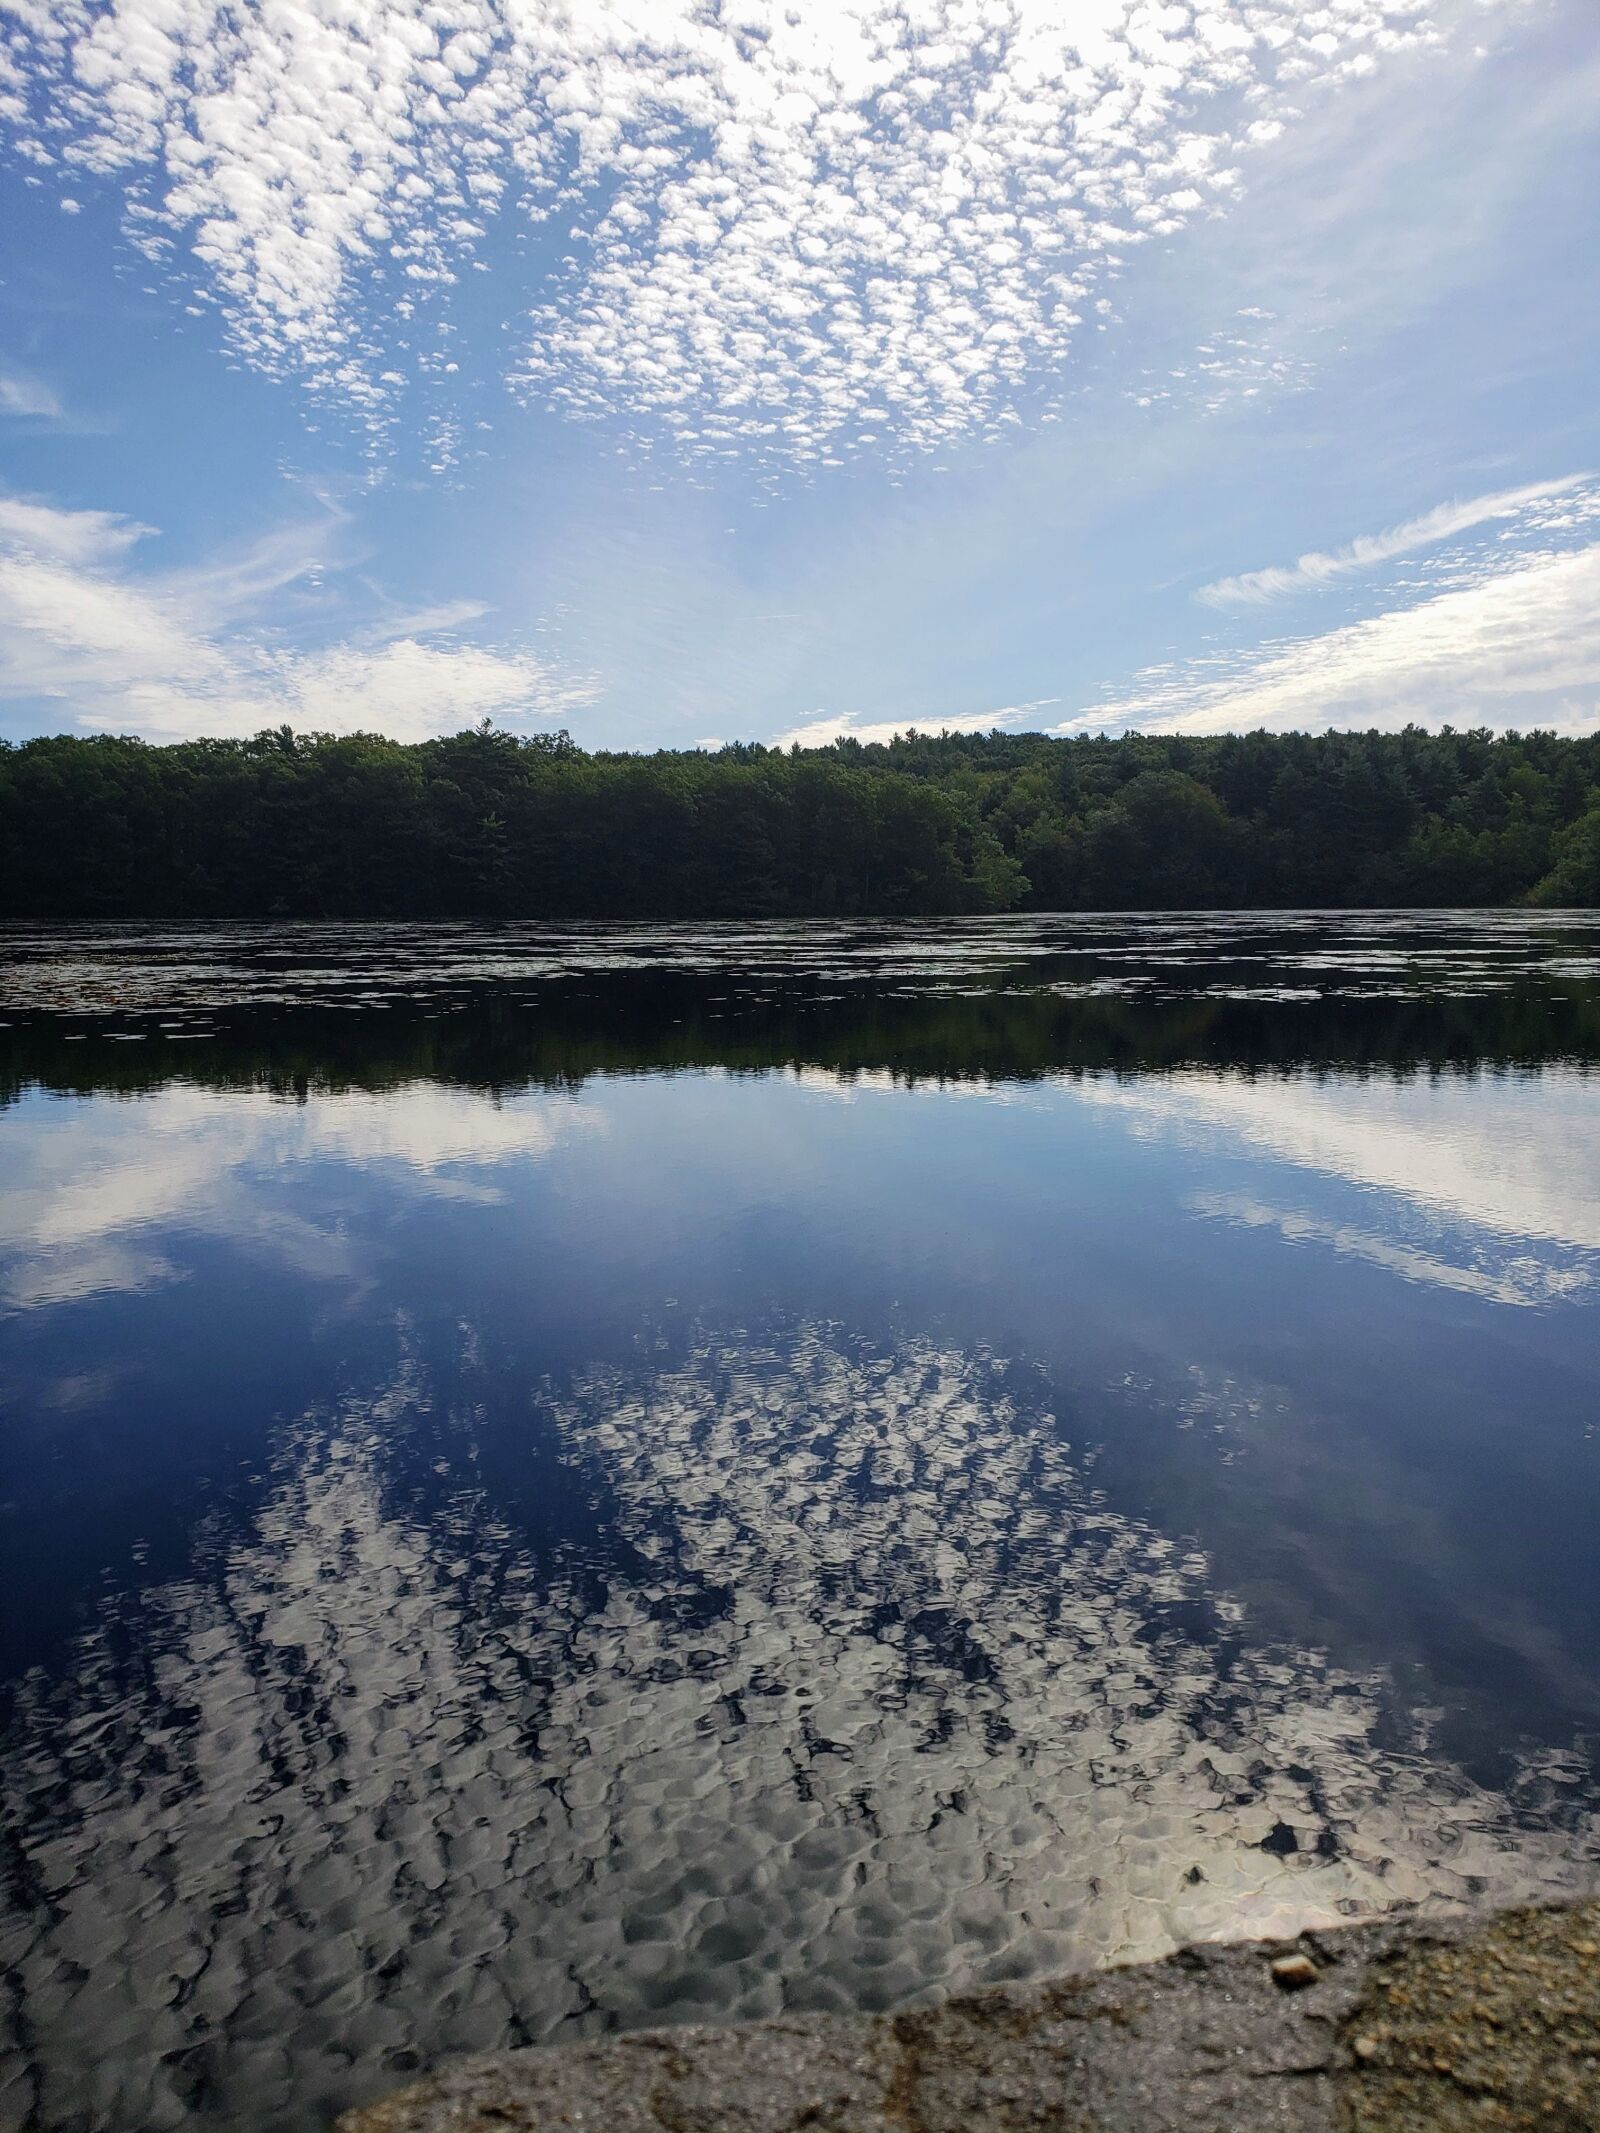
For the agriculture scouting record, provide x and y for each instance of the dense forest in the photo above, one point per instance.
(305, 825)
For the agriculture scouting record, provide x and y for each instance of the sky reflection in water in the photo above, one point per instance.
(556, 1479)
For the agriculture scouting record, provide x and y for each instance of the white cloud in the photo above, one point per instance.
(72, 537)
(409, 688)
(1310, 572)
(1519, 646)
(827, 727)
(20, 395)
(167, 657)
(797, 231)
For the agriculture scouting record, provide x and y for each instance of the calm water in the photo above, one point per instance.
(564, 1479)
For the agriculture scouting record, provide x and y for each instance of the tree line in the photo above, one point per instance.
(494, 823)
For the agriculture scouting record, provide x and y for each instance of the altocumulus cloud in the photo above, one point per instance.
(792, 229)
(174, 656)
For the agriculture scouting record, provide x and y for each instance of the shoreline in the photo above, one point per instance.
(1445, 2022)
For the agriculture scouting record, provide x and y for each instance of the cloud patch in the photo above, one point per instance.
(28, 398)
(827, 727)
(1312, 572)
(176, 655)
(1512, 640)
(792, 232)
(29, 526)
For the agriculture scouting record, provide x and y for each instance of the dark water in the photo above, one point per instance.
(563, 1479)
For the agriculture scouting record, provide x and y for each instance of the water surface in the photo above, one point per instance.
(556, 1479)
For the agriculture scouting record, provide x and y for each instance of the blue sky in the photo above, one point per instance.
(685, 372)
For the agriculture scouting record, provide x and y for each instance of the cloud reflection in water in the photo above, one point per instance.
(97, 1186)
(873, 1693)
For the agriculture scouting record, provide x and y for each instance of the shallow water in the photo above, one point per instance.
(557, 1478)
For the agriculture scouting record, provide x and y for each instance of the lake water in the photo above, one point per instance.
(565, 1478)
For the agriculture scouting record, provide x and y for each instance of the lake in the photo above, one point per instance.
(558, 1478)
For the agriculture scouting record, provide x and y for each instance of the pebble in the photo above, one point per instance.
(1294, 1971)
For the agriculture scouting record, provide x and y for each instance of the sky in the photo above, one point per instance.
(682, 372)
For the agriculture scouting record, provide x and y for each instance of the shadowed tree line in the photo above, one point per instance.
(492, 823)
